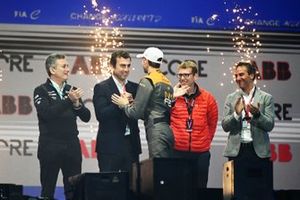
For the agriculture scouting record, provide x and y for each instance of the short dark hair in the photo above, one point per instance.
(51, 61)
(118, 54)
(251, 69)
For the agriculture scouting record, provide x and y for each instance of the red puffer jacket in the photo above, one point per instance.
(205, 118)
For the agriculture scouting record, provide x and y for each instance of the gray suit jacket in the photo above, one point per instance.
(260, 126)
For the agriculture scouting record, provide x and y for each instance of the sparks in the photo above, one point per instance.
(105, 38)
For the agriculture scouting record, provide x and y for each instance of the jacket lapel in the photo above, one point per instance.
(256, 97)
(113, 86)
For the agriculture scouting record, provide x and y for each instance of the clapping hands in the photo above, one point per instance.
(74, 95)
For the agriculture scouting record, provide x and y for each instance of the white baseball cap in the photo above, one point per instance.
(153, 54)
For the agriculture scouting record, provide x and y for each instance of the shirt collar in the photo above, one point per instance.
(250, 93)
(57, 88)
(119, 85)
(196, 92)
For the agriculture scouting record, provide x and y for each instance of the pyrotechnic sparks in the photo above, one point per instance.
(245, 39)
(105, 39)
(214, 16)
(95, 4)
(212, 19)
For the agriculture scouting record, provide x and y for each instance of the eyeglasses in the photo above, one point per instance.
(185, 75)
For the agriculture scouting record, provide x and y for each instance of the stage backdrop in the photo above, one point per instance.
(22, 69)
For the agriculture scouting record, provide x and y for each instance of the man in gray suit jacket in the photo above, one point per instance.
(248, 117)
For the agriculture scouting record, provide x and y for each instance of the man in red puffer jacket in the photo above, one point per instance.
(194, 118)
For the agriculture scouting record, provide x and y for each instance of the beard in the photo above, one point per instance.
(120, 77)
(145, 69)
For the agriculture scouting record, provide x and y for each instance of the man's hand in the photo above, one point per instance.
(128, 96)
(239, 106)
(75, 95)
(254, 110)
(121, 101)
(180, 90)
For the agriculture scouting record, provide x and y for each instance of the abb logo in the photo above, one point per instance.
(281, 153)
(270, 71)
(11, 105)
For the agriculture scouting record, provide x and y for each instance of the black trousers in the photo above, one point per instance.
(247, 154)
(54, 157)
(121, 161)
(203, 162)
(253, 175)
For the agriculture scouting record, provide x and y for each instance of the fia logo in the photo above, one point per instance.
(34, 15)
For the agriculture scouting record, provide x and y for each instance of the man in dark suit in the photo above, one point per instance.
(58, 106)
(118, 141)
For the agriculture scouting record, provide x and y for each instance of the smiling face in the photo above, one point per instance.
(186, 77)
(244, 80)
(122, 68)
(60, 71)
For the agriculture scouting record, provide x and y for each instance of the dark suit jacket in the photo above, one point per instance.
(112, 120)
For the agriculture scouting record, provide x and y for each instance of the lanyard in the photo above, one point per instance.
(189, 120)
(190, 105)
(247, 107)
